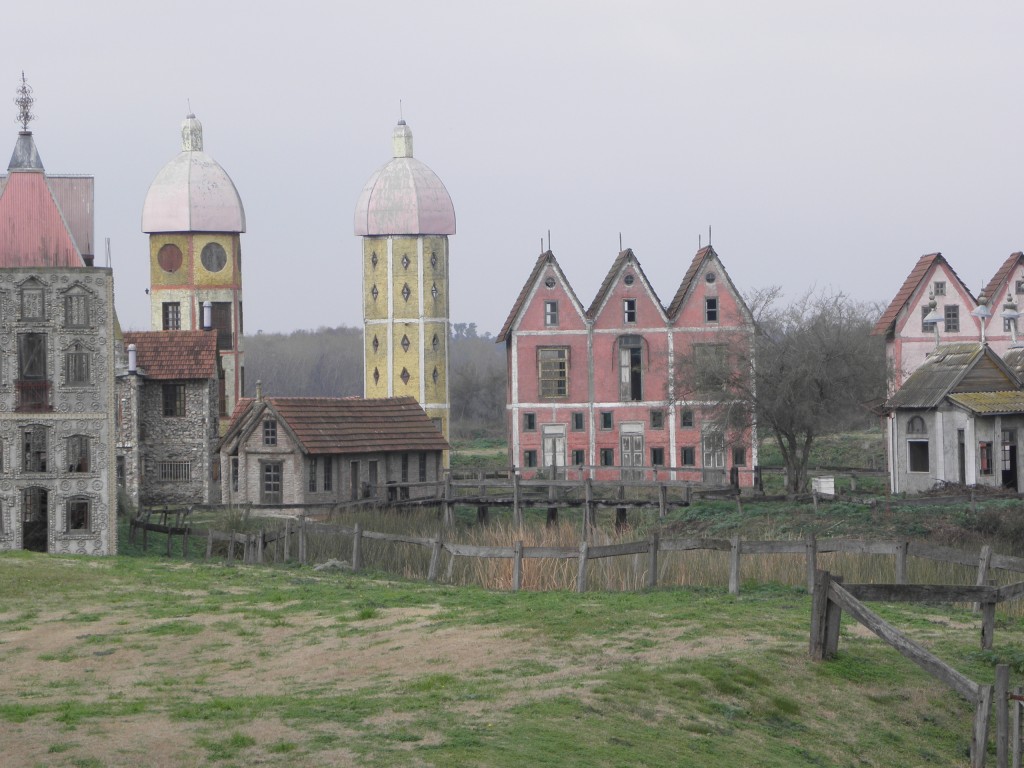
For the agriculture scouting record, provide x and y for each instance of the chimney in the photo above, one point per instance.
(133, 359)
(259, 391)
(88, 258)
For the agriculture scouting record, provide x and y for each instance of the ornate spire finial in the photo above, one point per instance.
(24, 101)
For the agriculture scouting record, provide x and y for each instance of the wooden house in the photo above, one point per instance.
(303, 451)
(600, 388)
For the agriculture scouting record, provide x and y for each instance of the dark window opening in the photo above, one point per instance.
(657, 419)
(686, 418)
(711, 310)
(77, 447)
(529, 458)
(579, 458)
(606, 419)
(917, 455)
(607, 457)
(34, 453)
(688, 456)
(631, 385)
(739, 456)
(77, 514)
(577, 422)
(174, 399)
(657, 457)
(328, 474)
(529, 422)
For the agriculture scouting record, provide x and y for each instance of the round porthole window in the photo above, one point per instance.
(628, 279)
(710, 277)
(213, 257)
(169, 258)
(549, 282)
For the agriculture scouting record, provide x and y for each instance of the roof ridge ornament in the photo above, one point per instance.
(191, 134)
(24, 102)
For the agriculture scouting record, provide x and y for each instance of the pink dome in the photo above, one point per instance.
(404, 197)
(192, 193)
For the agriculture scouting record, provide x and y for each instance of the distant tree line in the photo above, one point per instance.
(328, 362)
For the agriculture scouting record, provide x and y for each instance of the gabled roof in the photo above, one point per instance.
(545, 259)
(346, 425)
(946, 368)
(995, 285)
(178, 355)
(624, 257)
(886, 324)
(702, 256)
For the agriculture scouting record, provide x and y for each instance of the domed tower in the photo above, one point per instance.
(194, 217)
(404, 216)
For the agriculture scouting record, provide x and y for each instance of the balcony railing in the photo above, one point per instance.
(32, 395)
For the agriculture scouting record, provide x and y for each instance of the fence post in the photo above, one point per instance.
(984, 563)
(209, 543)
(1002, 701)
(734, 566)
(901, 562)
(588, 508)
(979, 736)
(231, 548)
(170, 539)
(517, 512)
(449, 505)
(662, 501)
(302, 540)
(260, 540)
(287, 538)
(1015, 744)
(652, 561)
(812, 560)
(184, 542)
(481, 510)
(357, 550)
(435, 558)
(988, 624)
(552, 509)
(581, 572)
(833, 620)
(517, 566)
(819, 602)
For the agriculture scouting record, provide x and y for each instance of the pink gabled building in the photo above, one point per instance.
(908, 337)
(603, 387)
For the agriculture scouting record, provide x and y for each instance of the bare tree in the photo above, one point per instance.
(805, 372)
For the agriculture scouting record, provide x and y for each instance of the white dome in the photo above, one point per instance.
(404, 197)
(192, 193)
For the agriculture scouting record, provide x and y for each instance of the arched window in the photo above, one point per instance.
(916, 426)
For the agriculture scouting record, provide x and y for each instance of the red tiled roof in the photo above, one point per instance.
(175, 354)
(356, 424)
(1002, 275)
(887, 322)
(33, 233)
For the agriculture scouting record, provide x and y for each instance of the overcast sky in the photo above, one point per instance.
(826, 144)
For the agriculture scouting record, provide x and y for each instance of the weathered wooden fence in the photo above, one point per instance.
(831, 597)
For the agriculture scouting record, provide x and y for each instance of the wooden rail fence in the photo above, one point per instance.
(830, 597)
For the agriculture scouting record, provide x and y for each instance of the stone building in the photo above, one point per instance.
(57, 325)
(404, 216)
(167, 418)
(958, 418)
(297, 451)
(194, 217)
(601, 387)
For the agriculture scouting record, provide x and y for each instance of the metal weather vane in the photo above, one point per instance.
(24, 102)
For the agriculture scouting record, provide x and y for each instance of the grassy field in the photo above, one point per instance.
(134, 661)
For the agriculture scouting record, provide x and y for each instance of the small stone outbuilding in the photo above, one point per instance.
(304, 451)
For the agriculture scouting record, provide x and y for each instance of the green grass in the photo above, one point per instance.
(439, 675)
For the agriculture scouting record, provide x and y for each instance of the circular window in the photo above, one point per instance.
(710, 277)
(213, 257)
(549, 282)
(628, 280)
(169, 257)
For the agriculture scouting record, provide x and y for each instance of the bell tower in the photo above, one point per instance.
(404, 216)
(194, 218)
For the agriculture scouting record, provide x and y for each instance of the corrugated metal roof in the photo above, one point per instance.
(332, 425)
(964, 364)
(33, 232)
(167, 355)
(74, 196)
(991, 403)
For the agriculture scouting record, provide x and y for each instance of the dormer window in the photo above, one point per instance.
(711, 309)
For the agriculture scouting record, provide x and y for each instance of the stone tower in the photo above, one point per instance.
(194, 218)
(404, 216)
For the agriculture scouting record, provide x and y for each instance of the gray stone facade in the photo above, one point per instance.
(57, 430)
